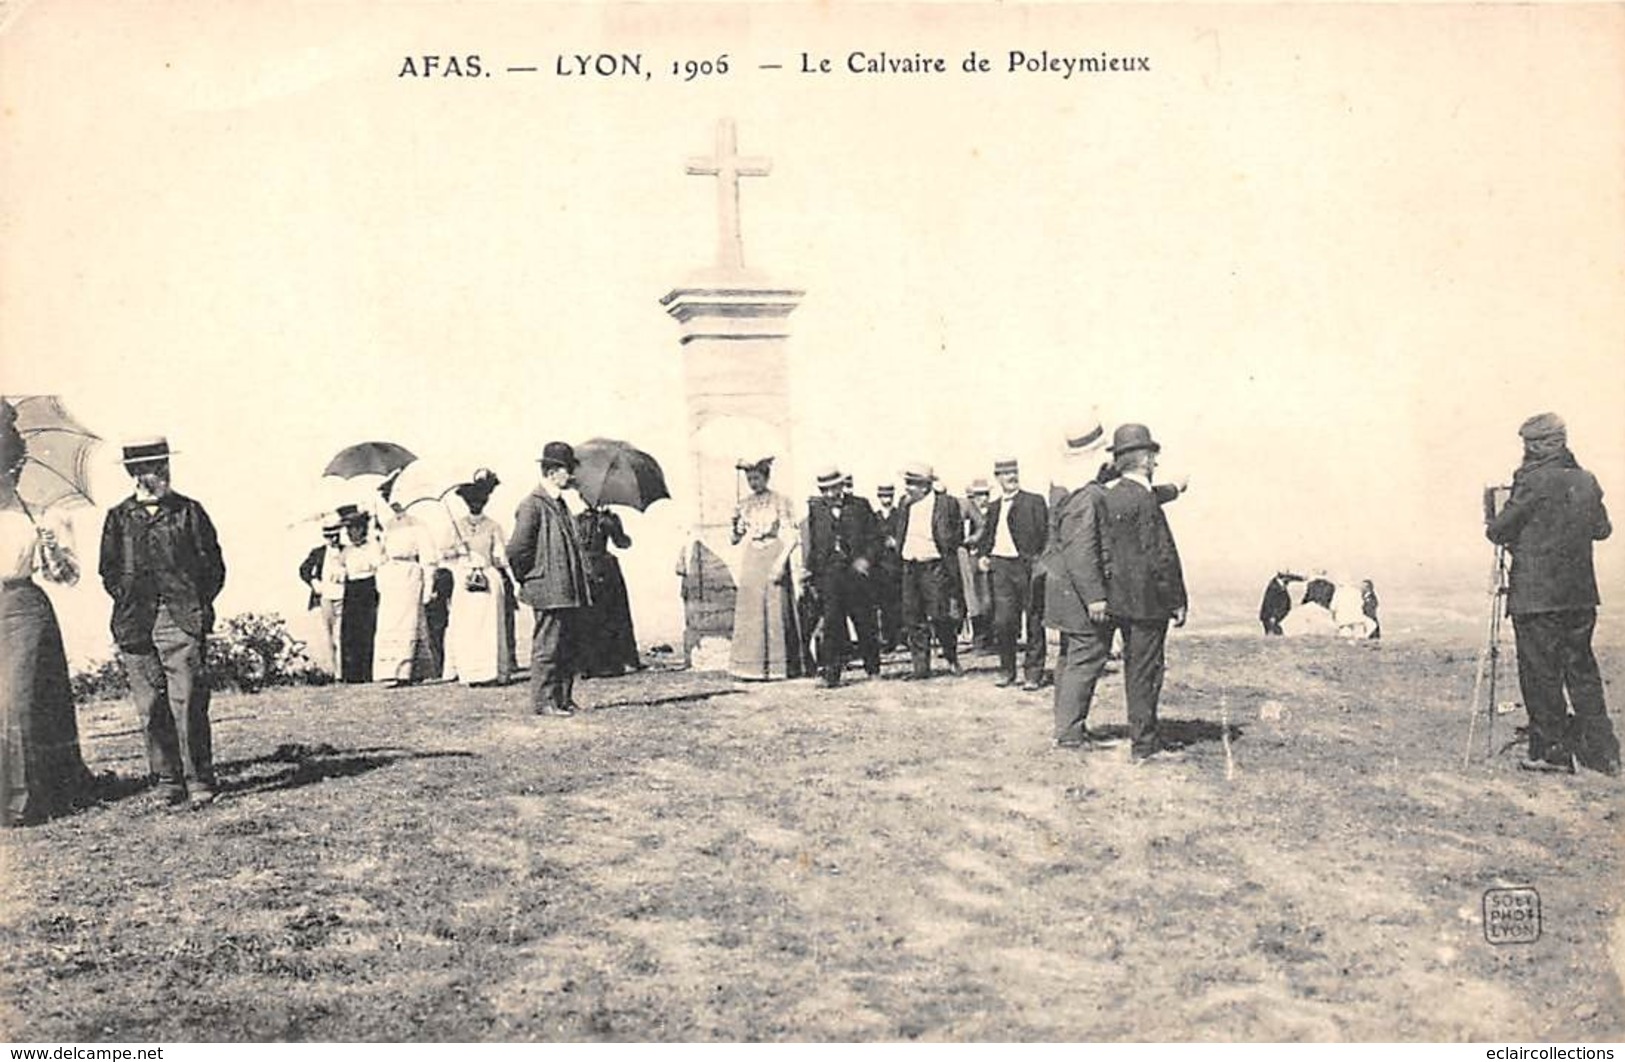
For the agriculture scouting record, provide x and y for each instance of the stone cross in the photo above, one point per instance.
(727, 167)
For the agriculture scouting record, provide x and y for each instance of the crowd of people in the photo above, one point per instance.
(1344, 608)
(398, 608)
(848, 581)
(1095, 562)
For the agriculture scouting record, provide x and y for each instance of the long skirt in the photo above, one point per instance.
(607, 645)
(766, 640)
(400, 649)
(358, 626)
(41, 770)
(478, 641)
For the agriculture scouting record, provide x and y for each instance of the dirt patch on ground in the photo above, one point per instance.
(696, 859)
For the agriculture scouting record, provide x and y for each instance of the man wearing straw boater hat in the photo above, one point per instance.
(888, 571)
(545, 556)
(323, 572)
(1145, 583)
(161, 564)
(931, 529)
(1074, 579)
(841, 544)
(1013, 538)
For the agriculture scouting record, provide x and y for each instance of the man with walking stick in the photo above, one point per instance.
(1548, 524)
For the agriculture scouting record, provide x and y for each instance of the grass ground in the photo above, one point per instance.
(698, 859)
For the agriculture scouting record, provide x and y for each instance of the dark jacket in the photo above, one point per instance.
(310, 571)
(545, 554)
(833, 542)
(171, 556)
(1548, 525)
(947, 525)
(1029, 525)
(1144, 579)
(1074, 561)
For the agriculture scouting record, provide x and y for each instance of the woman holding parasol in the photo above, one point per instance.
(42, 772)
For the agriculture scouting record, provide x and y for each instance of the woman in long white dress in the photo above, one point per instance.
(400, 653)
(766, 643)
(477, 638)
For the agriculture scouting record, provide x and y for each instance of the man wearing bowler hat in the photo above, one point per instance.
(1145, 584)
(545, 556)
(161, 565)
(1548, 524)
(1013, 537)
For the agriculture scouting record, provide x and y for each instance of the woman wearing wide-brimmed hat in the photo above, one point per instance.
(478, 640)
(41, 769)
(400, 649)
(766, 643)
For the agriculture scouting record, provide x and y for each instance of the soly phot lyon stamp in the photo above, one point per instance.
(1512, 915)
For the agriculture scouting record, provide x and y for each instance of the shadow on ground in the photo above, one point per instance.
(297, 765)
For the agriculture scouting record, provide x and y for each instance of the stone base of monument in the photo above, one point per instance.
(711, 654)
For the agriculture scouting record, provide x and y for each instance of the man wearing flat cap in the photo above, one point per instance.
(161, 564)
(1554, 514)
(1013, 537)
(840, 551)
(544, 554)
(1145, 583)
(931, 531)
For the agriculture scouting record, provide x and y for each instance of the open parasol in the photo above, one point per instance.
(612, 472)
(369, 459)
(54, 471)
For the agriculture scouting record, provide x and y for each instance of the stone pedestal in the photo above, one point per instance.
(736, 379)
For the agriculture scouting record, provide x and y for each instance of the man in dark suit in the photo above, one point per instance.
(931, 529)
(840, 550)
(545, 555)
(323, 572)
(1074, 586)
(1145, 584)
(888, 570)
(1013, 537)
(162, 566)
(1548, 524)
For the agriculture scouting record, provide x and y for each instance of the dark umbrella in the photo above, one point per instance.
(612, 472)
(369, 458)
(54, 471)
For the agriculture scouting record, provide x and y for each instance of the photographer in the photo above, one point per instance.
(1548, 523)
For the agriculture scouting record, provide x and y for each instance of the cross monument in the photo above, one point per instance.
(727, 167)
(736, 381)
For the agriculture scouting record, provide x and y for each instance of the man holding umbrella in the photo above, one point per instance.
(545, 555)
(161, 564)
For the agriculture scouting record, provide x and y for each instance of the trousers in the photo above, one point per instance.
(844, 594)
(1144, 643)
(1014, 606)
(553, 658)
(1078, 668)
(1554, 658)
(170, 688)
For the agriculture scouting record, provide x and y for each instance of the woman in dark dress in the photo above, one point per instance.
(358, 625)
(41, 770)
(607, 644)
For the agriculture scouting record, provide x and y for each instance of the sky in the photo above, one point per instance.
(1332, 256)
